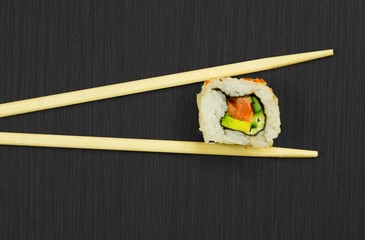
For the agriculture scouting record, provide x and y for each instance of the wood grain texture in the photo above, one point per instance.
(48, 47)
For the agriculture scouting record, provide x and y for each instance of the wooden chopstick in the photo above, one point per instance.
(154, 83)
(148, 145)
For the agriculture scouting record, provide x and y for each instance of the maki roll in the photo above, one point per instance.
(238, 111)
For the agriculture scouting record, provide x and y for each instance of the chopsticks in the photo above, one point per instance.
(148, 145)
(154, 83)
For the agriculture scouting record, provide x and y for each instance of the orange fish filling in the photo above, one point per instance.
(240, 108)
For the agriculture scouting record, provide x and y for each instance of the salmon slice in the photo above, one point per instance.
(240, 108)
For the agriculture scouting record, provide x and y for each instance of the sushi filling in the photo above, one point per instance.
(244, 114)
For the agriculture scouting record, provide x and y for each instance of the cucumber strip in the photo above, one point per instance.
(256, 104)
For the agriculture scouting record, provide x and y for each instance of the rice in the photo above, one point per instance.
(212, 107)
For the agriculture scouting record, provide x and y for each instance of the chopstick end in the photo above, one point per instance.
(315, 154)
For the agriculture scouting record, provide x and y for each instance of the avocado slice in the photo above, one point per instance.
(235, 124)
(256, 104)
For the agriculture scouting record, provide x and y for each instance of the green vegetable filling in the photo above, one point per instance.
(252, 127)
(256, 104)
(235, 124)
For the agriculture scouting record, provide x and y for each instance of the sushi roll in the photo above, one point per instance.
(238, 111)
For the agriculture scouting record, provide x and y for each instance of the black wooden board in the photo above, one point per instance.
(49, 47)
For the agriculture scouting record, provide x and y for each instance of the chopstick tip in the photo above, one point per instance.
(315, 154)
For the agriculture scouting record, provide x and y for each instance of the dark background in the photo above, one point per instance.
(49, 47)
